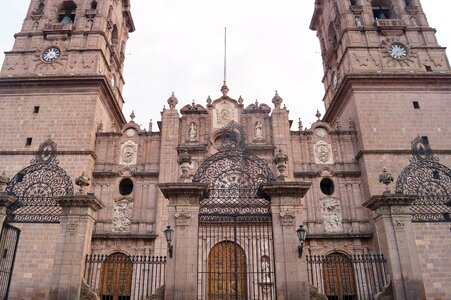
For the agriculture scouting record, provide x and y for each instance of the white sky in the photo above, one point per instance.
(178, 46)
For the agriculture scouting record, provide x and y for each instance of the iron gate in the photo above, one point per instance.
(8, 245)
(236, 257)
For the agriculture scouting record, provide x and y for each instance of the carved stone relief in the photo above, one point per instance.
(323, 153)
(258, 134)
(122, 215)
(192, 131)
(224, 114)
(129, 153)
(287, 218)
(331, 214)
(182, 218)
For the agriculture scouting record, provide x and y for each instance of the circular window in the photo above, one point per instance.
(327, 186)
(126, 187)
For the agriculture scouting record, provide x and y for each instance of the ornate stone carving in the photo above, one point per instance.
(280, 160)
(192, 131)
(224, 114)
(3, 182)
(182, 218)
(331, 214)
(323, 153)
(400, 210)
(129, 153)
(287, 218)
(258, 134)
(398, 225)
(386, 178)
(82, 181)
(184, 161)
(122, 215)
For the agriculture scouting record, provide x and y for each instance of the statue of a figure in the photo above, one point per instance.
(192, 132)
(265, 269)
(259, 130)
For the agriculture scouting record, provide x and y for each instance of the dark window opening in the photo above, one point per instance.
(381, 13)
(28, 141)
(353, 2)
(416, 105)
(114, 36)
(408, 3)
(428, 68)
(40, 8)
(5, 253)
(327, 186)
(126, 187)
(67, 12)
(36, 109)
(94, 4)
(436, 175)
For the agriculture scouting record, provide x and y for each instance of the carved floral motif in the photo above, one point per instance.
(122, 215)
(129, 153)
(331, 214)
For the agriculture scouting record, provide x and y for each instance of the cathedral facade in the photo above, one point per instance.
(225, 200)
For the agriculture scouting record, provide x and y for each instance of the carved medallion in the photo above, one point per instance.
(331, 214)
(122, 215)
(323, 153)
(129, 153)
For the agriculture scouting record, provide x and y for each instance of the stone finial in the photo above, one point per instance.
(209, 100)
(82, 181)
(224, 90)
(280, 160)
(277, 100)
(184, 161)
(3, 182)
(318, 115)
(300, 125)
(132, 116)
(150, 125)
(386, 178)
(172, 101)
(193, 104)
(240, 100)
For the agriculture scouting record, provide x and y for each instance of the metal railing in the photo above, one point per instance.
(119, 276)
(352, 277)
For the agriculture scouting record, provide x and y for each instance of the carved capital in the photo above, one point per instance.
(388, 204)
(182, 218)
(287, 218)
(89, 201)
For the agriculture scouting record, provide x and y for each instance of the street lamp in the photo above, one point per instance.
(168, 235)
(302, 234)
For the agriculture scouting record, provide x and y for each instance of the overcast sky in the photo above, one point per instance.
(178, 47)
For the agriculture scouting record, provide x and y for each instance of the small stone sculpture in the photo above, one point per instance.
(281, 163)
(82, 181)
(3, 182)
(386, 178)
(185, 164)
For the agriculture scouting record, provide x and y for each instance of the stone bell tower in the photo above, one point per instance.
(386, 74)
(63, 79)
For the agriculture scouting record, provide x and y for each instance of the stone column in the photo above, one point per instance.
(183, 212)
(291, 271)
(396, 240)
(5, 202)
(73, 244)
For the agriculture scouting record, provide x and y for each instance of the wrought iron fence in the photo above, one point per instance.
(343, 277)
(119, 276)
(34, 210)
(431, 209)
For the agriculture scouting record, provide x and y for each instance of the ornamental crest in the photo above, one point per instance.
(129, 153)
(323, 153)
(331, 214)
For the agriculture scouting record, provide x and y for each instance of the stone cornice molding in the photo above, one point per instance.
(6, 200)
(379, 202)
(285, 189)
(184, 189)
(89, 201)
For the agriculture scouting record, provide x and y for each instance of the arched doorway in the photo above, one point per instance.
(116, 278)
(339, 279)
(227, 271)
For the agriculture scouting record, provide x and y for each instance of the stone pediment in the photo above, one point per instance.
(193, 109)
(257, 108)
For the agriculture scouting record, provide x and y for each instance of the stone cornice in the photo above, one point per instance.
(187, 189)
(6, 200)
(296, 189)
(59, 153)
(389, 200)
(81, 201)
(340, 235)
(125, 236)
(361, 153)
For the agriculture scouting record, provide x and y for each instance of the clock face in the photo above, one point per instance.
(51, 54)
(397, 51)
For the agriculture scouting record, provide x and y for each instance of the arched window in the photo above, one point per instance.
(67, 12)
(116, 277)
(94, 4)
(382, 9)
(339, 277)
(114, 36)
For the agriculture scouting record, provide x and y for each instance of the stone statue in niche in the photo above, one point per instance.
(265, 269)
(192, 131)
(122, 215)
(259, 130)
(129, 153)
(323, 153)
(331, 214)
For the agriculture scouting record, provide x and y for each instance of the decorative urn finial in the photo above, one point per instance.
(132, 116)
(3, 182)
(386, 178)
(277, 100)
(224, 90)
(280, 160)
(82, 181)
(172, 101)
(318, 115)
(184, 161)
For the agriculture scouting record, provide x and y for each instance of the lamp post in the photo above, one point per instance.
(302, 234)
(168, 235)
